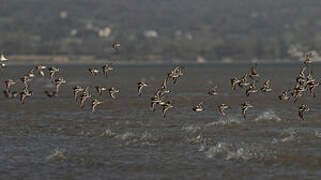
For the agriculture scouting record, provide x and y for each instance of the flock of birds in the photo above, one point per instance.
(304, 83)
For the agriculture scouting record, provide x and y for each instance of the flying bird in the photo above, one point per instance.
(115, 45)
(166, 106)
(52, 72)
(244, 108)
(198, 107)
(141, 85)
(222, 107)
(106, 68)
(95, 103)
(212, 91)
(266, 86)
(302, 109)
(112, 92)
(253, 74)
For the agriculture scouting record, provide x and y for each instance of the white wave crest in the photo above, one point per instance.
(242, 152)
(317, 133)
(58, 155)
(217, 150)
(268, 116)
(191, 128)
(132, 138)
(291, 135)
(225, 120)
(195, 140)
(108, 133)
(126, 136)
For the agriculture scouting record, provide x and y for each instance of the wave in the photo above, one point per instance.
(297, 135)
(132, 138)
(58, 155)
(317, 133)
(191, 128)
(268, 115)
(226, 120)
(289, 135)
(242, 151)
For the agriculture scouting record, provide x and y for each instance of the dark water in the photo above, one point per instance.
(55, 139)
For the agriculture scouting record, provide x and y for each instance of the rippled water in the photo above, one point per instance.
(55, 139)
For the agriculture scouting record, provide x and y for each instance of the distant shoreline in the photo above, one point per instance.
(74, 60)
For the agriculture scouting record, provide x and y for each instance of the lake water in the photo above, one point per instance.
(53, 138)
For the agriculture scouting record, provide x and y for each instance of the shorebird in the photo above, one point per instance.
(115, 45)
(163, 89)
(164, 84)
(83, 97)
(212, 91)
(100, 89)
(107, 68)
(25, 80)
(266, 86)
(243, 82)
(298, 91)
(76, 90)
(154, 101)
(52, 71)
(222, 107)
(301, 75)
(141, 85)
(93, 71)
(312, 85)
(40, 69)
(31, 73)
(166, 106)
(309, 78)
(198, 107)
(3, 58)
(307, 59)
(50, 93)
(302, 109)
(253, 74)
(175, 74)
(162, 92)
(158, 98)
(9, 83)
(234, 82)
(251, 89)
(58, 83)
(284, 96)
(94, 103)
(10, 94)
(25, 93)
(112, 91)
(244, 108)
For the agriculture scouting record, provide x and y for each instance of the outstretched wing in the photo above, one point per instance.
(301, 114)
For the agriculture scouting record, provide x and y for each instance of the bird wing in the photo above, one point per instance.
(165, 109)
(164, 84)
(22, 98)
(42, 73)
(253, 70)
(112, 94)
(244, 112)
(93, 106)
(152, 104)
(301, 114)
(140, 87)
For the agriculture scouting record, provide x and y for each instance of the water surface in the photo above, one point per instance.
(55, 139)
